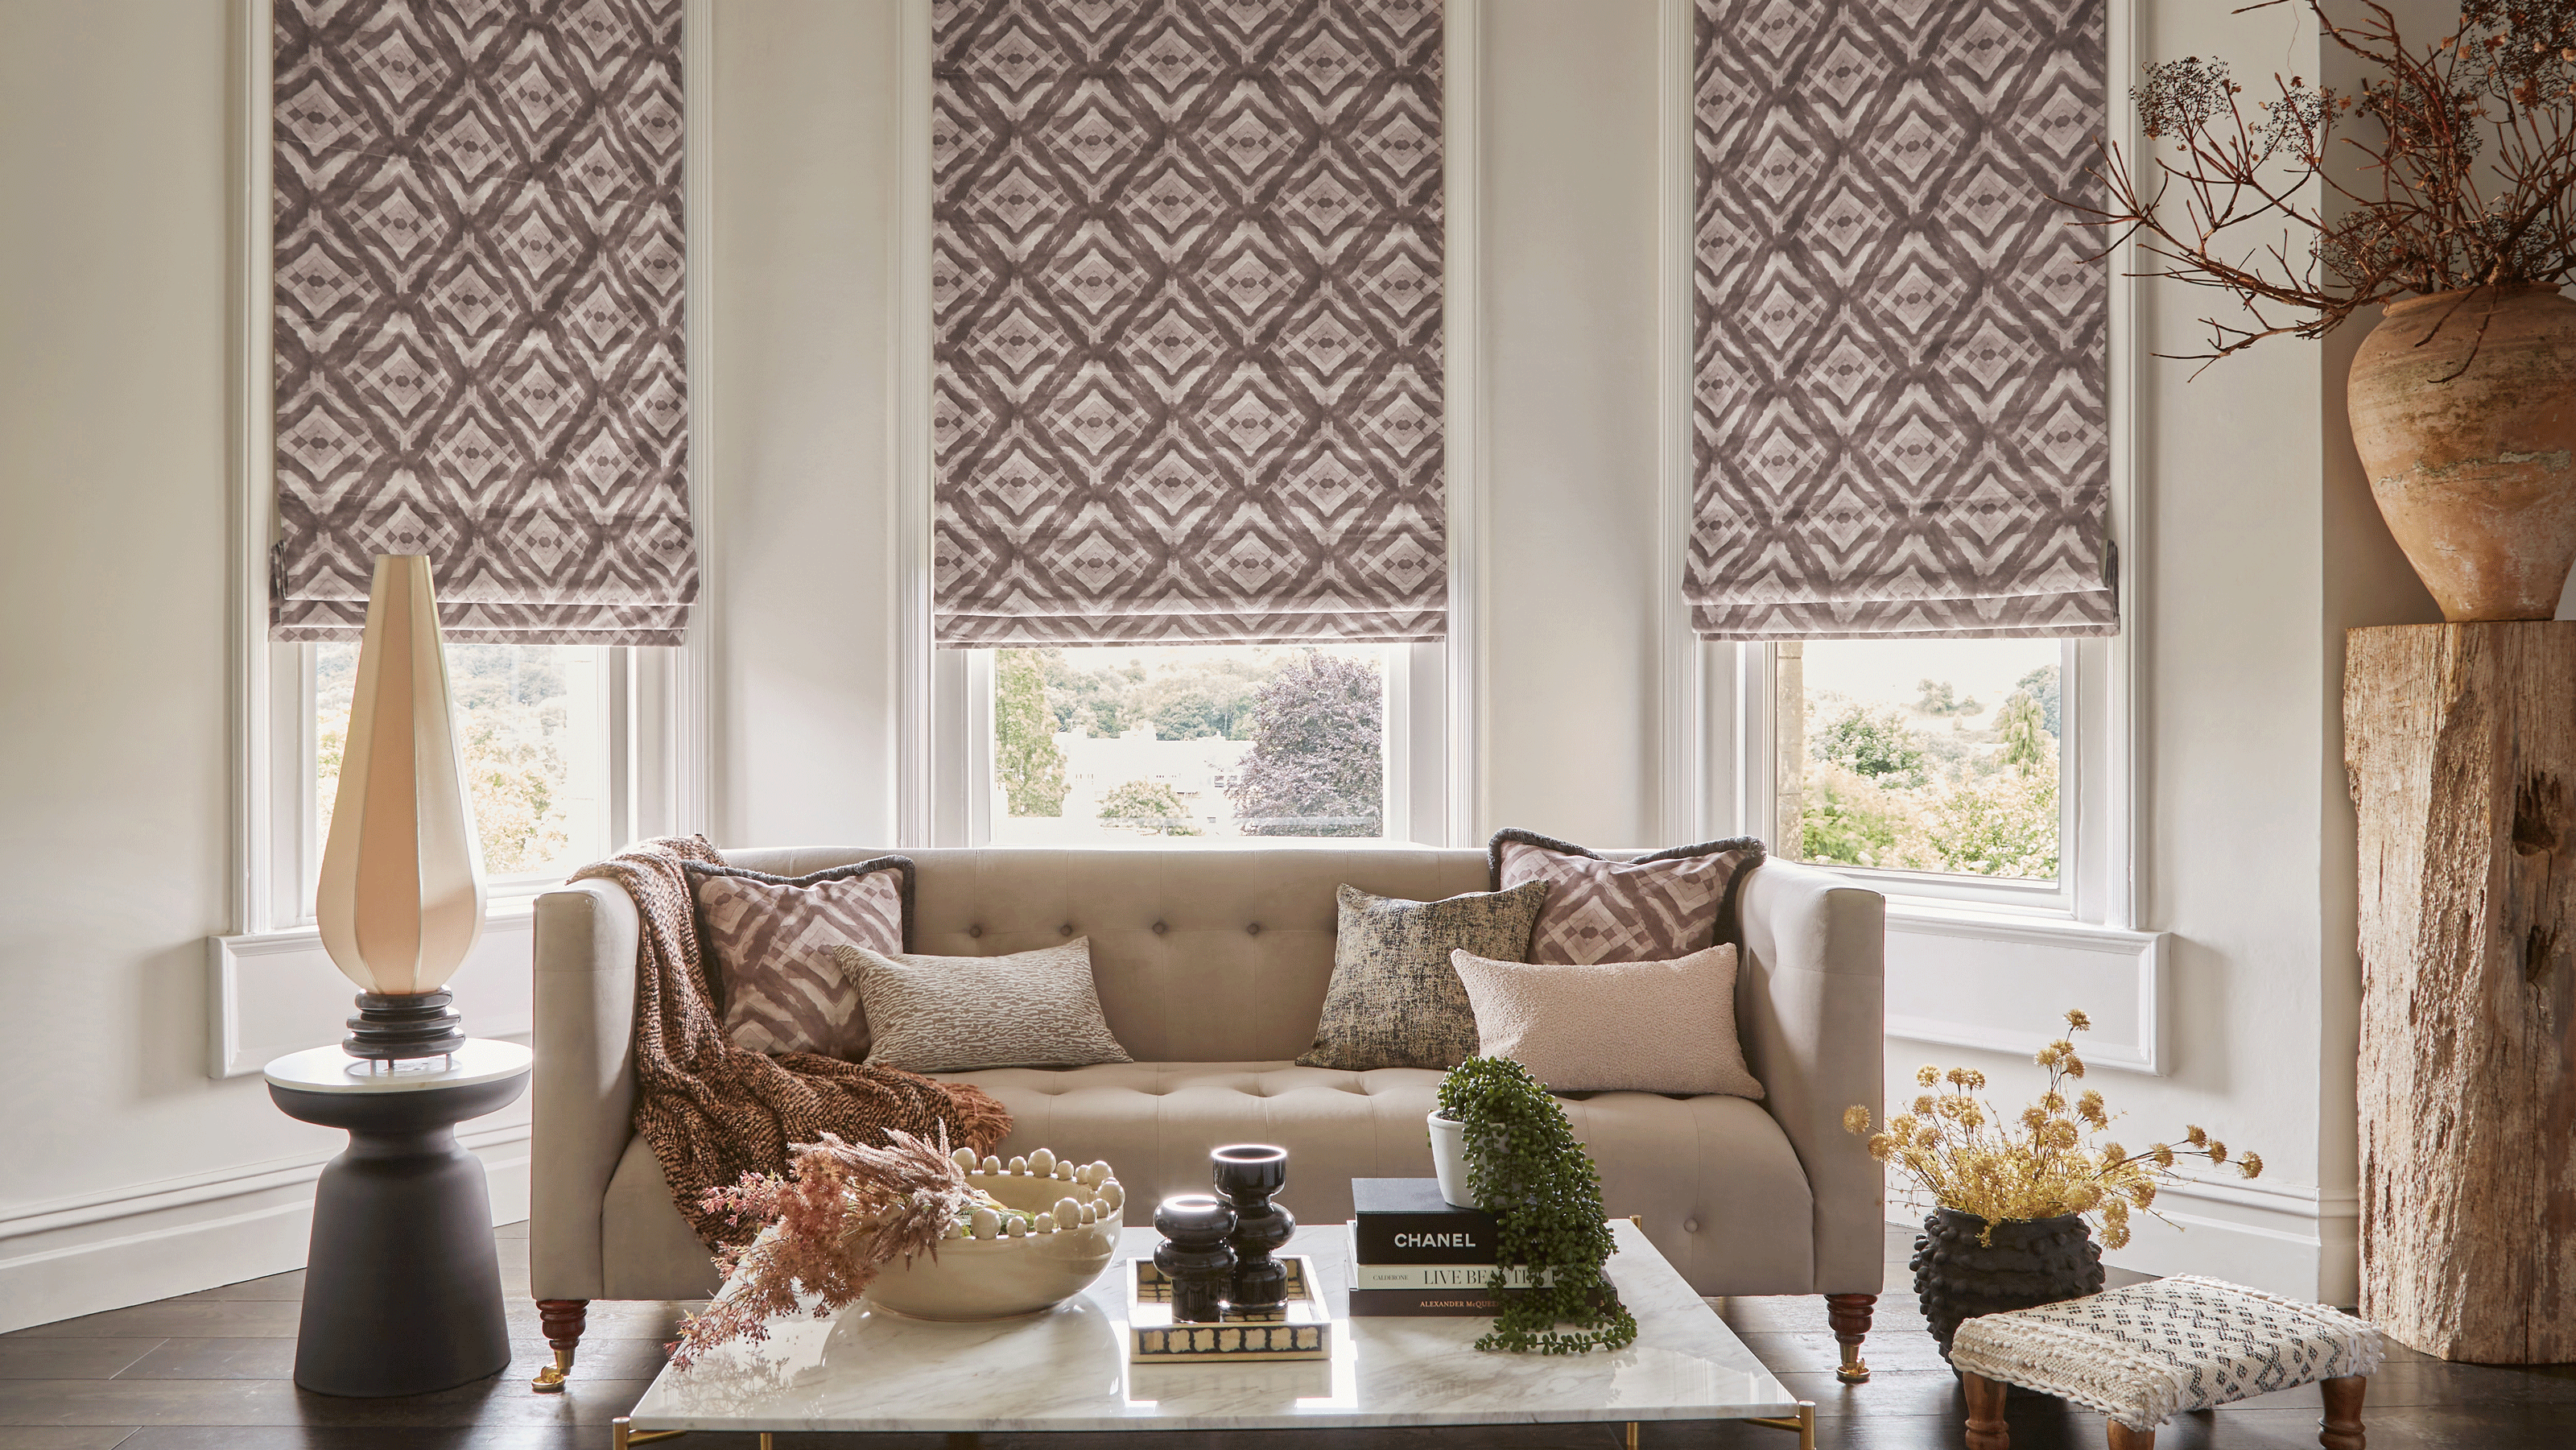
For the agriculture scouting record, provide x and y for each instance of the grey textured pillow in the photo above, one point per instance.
(1395, 1001)
(955, 1014)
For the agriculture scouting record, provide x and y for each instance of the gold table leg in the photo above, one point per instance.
(622, 1433)
(1804, 1425)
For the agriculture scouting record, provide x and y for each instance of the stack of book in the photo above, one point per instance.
(1413, 1252)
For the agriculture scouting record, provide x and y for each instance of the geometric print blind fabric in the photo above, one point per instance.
(1186, 293)
(479, 345)
(1900, 348)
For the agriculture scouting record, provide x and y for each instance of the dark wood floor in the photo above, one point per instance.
(211, 1371)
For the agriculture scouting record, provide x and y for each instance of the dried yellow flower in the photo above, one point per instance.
(2143, 1193)
(1923, 1105)
(2074, 1065)
(2251, 1165)
(2061, 1134)
(1880, 1145)
(1976, 1080)
(2076, 1021)
(2217, 1151)
(2034, 1117)
(1855, 1119)
(2090, 1108)
(1958, 1077)
(1929, 1137)
(1927, 1075)
(2196, 1135)
(2048, 1056)
(1972, 1116)
(2163, 1153)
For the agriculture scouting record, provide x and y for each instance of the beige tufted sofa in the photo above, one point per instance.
(1212, 965)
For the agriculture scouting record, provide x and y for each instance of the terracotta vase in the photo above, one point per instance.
(2464, 409)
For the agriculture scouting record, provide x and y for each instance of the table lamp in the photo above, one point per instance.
(400, 901)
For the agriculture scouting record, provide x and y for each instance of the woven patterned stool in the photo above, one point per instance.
(2142, 1353)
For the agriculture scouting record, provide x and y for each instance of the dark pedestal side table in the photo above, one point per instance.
(402, 1288)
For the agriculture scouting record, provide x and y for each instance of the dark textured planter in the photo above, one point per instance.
(2030, 1264)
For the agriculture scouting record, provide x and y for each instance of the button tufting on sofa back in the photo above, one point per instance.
(1182, 977)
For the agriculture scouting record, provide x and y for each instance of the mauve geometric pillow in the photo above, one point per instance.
(771, 939)
(956, 1014)
(1656, 1027)
(1655, 908)
(1394, 1000)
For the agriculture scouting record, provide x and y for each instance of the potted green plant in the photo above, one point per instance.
(2014, 1199)
(2454, 214)
(1525, 1168)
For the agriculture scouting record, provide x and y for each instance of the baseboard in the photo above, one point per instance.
(2286, 1239)
(70, 1257)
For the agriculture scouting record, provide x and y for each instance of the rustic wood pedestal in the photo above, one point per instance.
(2460, 745)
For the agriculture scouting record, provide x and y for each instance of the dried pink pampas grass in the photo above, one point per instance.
(842, 1213)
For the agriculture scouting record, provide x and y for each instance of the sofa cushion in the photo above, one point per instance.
(941, 1014)
(1658, 1027)
(1715, 1179)
(1652, 909)
(771, 938)
(1395, 1000)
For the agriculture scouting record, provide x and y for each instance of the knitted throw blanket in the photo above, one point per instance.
(714, 1111)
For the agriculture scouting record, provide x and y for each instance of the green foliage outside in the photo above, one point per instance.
(1195, 700)
(1883, 791)
(1941, 698)
(1317, 766)
(511, 719)
(1025, 756)
(1153, 808)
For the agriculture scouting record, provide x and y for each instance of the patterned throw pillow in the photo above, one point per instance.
(1655, 1027)
(1395, 1001)
(956, 1014)
(1652, 909)
(770, 938)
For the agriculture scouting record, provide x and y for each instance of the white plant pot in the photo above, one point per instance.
(1449, 1160)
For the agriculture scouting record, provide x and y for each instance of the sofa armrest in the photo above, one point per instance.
(586, 940)
(1811, 1014)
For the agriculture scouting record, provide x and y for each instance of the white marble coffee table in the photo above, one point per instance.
(868, 1370)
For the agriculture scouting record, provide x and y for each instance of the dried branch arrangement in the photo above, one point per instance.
(2040, 1164)
(842, 1213)
(2471, 139)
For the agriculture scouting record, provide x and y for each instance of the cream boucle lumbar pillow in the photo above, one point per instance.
(1658, 1027)
(955, 1014)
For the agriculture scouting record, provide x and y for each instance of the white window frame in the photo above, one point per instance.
(1716, 760)
(942, 724)
(656, 697)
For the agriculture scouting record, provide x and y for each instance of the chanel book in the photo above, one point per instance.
(1406, 1221)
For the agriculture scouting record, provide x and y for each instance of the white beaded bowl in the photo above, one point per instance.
(1001, 1278)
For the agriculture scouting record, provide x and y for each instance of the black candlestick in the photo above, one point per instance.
(1194, 1254)
(1247, 1174)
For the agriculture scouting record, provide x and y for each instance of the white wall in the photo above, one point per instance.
(2258, 546)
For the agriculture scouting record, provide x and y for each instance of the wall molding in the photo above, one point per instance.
(1995, 982)
(1681, 660)
(1462, 121)
(65, 1257)
(272, 993)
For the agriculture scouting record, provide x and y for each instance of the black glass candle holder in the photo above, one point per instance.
(1194, 1255)
(1247, 1174)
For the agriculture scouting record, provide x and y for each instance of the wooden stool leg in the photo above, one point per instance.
(1849, 1314)
(1986, 1427)
(2341, 1427)
(2124, 1438)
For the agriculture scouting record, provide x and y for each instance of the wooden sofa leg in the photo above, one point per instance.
(1986, 1427)
(2341, 1427)
(1849, 1314)
(2124, 1438)
(563, 1321)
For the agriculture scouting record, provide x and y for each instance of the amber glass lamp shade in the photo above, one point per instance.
(400, 901)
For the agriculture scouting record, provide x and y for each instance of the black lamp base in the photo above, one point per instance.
(398, 1028)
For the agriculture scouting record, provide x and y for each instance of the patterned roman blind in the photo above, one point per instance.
(1901, 349)
(1187, 321)
(479, 350)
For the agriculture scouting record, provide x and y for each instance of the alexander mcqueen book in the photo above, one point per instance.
(1422, 1303)
(1406, 1221)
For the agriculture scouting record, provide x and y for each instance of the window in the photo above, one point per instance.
(1931, 757)
(1108, 744)
(532, 724)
